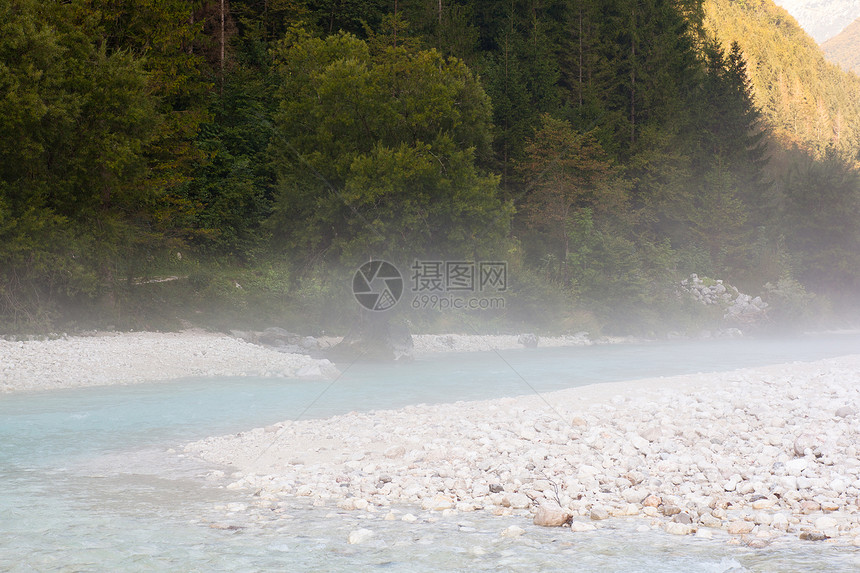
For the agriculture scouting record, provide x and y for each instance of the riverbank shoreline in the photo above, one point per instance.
(108, 358)
(756, 455)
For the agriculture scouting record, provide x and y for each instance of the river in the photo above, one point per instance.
(90, 479)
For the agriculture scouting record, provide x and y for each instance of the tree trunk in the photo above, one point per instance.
(222, 46)
(580, 57)
(633, 77)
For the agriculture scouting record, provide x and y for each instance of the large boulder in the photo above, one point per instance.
(376, 337)
(278, 337)
(528, 340)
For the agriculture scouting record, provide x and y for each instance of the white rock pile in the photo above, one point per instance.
(124, 358)
(757, 454)
(738, 307)
(433, 343)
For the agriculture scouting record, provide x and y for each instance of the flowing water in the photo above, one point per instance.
(90, 481)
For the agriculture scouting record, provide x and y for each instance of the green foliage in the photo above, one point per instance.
(375, 153)
(718, 220)
(821, 206)
(627, 283)
(140, 141)
(169, 44)
(226, 201)
(520, 72)
(790, 303)
(76, 120)
(563, 170)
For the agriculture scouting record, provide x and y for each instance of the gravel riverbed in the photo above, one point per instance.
(129, 357)
(753, 456)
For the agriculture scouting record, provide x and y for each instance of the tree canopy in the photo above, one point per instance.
(245, 150)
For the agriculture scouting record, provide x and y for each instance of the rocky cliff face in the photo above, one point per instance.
(822, 19)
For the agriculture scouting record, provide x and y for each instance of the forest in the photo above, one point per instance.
(175, 162)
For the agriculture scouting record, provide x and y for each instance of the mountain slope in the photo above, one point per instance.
(822, 19)
(807, 99)
(844, 49)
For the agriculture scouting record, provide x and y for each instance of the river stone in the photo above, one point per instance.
(709, 520)
(812, 536)
(740, 527)
(829, 506)
(629, 509)
(845, 411)
(466, 506)
(682, 518)
(678, 528)
(670, 510)
(579, 526)
(652, 501)
(551, 516)
(796, 466)
(513, 531)
(517, 501)
(599, 513)
(438, 503)
(757, 543)
(825, 522)
(788, 482)
(652, 434)
(638, 442)
(347, 504)
(803, 443)
(763, 503)
(360, 503)
(780, 521)
(359, 536)
(395, 452)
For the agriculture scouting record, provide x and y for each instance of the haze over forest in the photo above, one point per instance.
(219, 163)
(822, 19)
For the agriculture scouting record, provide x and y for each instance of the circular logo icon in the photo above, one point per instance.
(377, 285)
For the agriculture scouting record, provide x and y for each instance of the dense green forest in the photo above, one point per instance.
(166, 162)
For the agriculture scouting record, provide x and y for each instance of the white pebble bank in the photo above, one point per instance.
(755, 455)
(129, 357)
